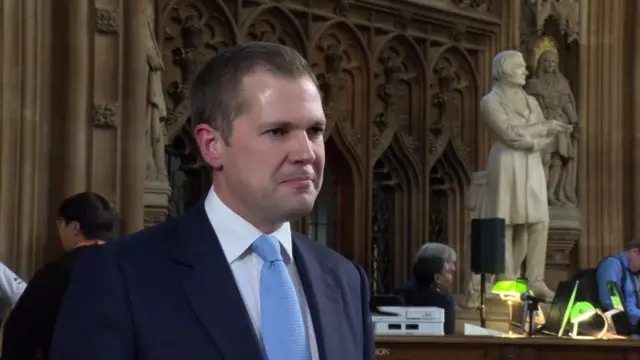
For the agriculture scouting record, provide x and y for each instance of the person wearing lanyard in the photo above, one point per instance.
(84, 220)
(613, 268)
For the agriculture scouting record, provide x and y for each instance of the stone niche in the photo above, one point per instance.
(156, 200)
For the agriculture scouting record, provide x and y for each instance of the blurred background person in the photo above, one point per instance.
(84, 220)
(11, 286)
(433, 273)
(445, 252)
(428, 288)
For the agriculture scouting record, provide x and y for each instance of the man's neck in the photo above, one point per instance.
(266, 227)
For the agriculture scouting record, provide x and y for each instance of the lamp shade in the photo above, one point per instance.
(581, 311)
(509, 287)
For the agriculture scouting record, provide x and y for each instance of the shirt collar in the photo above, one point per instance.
(235, 234)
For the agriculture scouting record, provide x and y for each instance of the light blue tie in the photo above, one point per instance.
(283, 334)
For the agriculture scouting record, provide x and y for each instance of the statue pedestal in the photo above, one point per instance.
(156, 202)
(564, 233)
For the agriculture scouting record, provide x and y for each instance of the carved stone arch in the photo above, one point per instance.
(217, 5)
(448, 221)
(192, 32)
(397, 130)
(339, 58)
(452, 100)
(273, 23)
(400, 78)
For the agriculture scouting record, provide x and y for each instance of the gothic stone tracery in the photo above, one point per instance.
(400, 106)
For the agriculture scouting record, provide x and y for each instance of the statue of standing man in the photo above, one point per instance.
(516, 185)
(156, 109)
(553, 92)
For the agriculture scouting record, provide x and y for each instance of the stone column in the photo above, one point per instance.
(23, 132)
(77, 98)
(635, 185)
(602, 110)
(133, 120)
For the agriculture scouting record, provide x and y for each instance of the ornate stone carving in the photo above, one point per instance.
(457, 33)
(105, 116)
(402, 21)
(332, 83)
(106, 20)
(191, 36)
(553, 92)
(400, 85)
(565, 12)
(156, 108)
(386, 122)
(339, 67)
(564, 233)
(452, 86)
(156, 200)
(382, 222)
(479, 5)
(273, 26)
(345, 44)
(342, 7)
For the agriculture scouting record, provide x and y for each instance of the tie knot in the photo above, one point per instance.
(268, 248)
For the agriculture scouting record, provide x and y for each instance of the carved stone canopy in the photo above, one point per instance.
(565, 12)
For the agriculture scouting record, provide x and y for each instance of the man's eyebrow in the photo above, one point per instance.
(290, 124)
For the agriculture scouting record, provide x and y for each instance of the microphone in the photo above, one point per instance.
(531, 298)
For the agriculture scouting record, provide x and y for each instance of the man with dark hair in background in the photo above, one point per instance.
(229, 279)
(84, 220)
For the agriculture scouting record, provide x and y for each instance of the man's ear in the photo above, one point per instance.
(211, 145)
(75, 227)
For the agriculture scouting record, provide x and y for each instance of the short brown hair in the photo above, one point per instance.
(216, 91)
(634, 244)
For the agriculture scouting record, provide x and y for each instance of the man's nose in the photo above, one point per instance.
(302, 149)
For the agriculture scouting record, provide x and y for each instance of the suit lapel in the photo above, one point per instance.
(323, 297)
(212, 290)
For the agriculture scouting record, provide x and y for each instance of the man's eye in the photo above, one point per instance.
(277, 132)
(317, 131)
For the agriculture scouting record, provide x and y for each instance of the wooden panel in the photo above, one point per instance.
(495, 348)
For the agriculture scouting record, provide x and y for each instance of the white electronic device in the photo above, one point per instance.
(400, 320)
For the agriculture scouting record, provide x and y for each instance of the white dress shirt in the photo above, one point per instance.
(236, 237)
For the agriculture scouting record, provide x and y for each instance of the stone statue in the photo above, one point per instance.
(156, 110)
(516, 185)
(553, 92)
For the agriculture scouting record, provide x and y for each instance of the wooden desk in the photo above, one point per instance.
(497, 348)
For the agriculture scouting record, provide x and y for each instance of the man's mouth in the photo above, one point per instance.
(300, 181)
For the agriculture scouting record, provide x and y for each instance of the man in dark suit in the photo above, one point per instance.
(229, 280)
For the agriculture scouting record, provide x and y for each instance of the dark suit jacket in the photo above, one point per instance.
(28, 330)
(168, 293)
(414, 295)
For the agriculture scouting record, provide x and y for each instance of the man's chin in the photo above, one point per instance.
(302, 206)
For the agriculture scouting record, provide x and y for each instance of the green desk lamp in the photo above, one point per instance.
(509, 291)
(582, 311)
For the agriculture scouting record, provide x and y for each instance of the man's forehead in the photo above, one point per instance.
(258, 80)
(283, 100)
